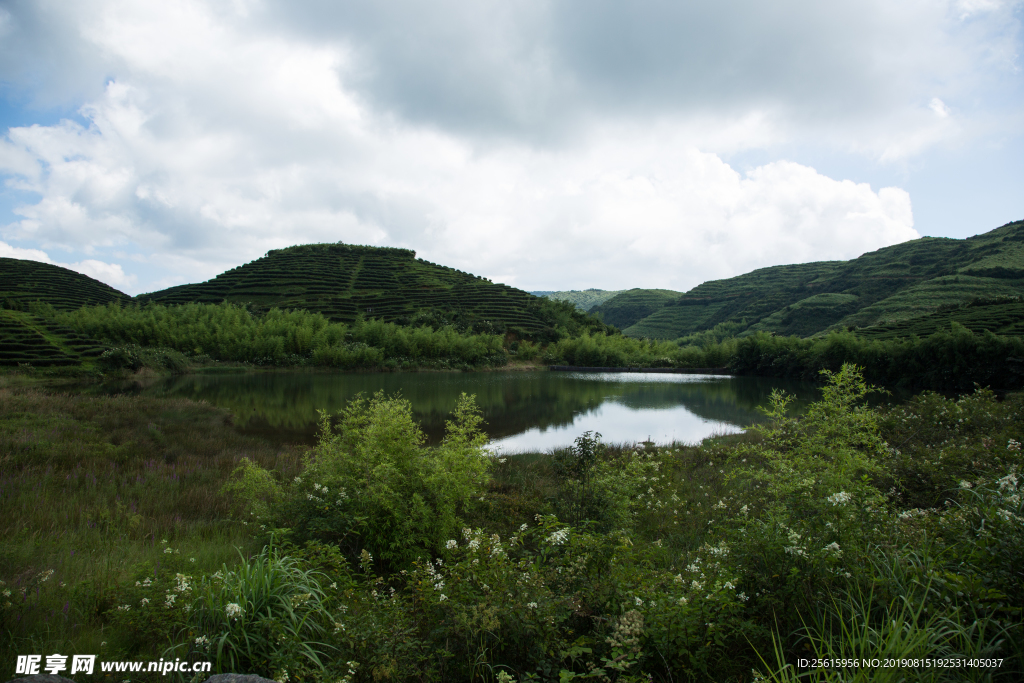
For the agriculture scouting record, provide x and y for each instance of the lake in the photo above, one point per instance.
(524, 410)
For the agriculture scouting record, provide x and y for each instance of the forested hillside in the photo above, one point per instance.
(878, 293)
(344, 282)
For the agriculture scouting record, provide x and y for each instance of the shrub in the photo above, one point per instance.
(370, 484)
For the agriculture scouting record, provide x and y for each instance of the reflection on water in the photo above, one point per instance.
(523, 410)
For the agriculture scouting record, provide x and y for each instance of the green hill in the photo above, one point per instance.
(933, 277)
(631, 306)
(583, 300)
(344, 281)
(25, 282)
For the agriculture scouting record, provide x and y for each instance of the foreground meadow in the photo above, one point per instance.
(143, 528)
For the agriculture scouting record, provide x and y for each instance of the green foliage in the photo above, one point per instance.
(830, 451)
(371, 485)
(935, 443)
(574, 467)
(229, 332)
(716, 335)
(602, 350)
(254, 489)
(953, 360)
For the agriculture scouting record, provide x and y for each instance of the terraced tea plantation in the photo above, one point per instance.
(887, 287)
(343, 281)
(26, 282)
(27, 340)
(1000, 318)
(748, 297)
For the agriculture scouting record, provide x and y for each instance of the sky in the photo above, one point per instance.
(546, 144)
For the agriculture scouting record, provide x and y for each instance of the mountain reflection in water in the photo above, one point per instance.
(523, 410)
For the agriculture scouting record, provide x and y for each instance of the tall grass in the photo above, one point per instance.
(90, 485)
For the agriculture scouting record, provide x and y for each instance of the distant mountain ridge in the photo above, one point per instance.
(584, 300)
(879, 289)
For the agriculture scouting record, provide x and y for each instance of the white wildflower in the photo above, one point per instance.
(840, 498)
(559, 537)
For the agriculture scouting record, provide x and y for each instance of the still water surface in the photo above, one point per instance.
(523, 410)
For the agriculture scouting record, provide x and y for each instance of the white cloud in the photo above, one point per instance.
(111, 273)
(939, 107)
(7, 251)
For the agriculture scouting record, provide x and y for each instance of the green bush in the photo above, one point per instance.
(371, 485)
(122, 358)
